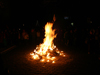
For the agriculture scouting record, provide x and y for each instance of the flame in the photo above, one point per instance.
(54, 18)
(47, 60)
(44, 50)
(53, 61)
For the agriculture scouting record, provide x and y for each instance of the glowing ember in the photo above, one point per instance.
(42, 60)
(53, 61)
(61, 51)
(47, 60)
(47, 50)
(63, 55)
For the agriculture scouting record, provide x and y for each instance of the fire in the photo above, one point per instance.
(46, 50)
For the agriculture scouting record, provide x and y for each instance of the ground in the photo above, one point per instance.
(19, 61)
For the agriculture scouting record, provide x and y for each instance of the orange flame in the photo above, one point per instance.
(44, 50)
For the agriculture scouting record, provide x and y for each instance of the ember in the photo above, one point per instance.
(47, 51)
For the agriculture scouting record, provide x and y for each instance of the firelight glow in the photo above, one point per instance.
(45, 51)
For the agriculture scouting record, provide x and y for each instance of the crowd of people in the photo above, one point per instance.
(9, 37)
(87, 38)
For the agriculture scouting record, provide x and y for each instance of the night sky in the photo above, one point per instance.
(29, 11)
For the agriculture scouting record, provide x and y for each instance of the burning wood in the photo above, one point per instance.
(47, 51)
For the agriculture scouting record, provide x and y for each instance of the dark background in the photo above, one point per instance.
(16, 13)
(77, 41)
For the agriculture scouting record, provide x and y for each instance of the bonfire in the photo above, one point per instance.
(47, 51)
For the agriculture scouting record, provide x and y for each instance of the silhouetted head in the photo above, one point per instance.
(90, 32)
(23, 30)
(32, 30)
(71, 31)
